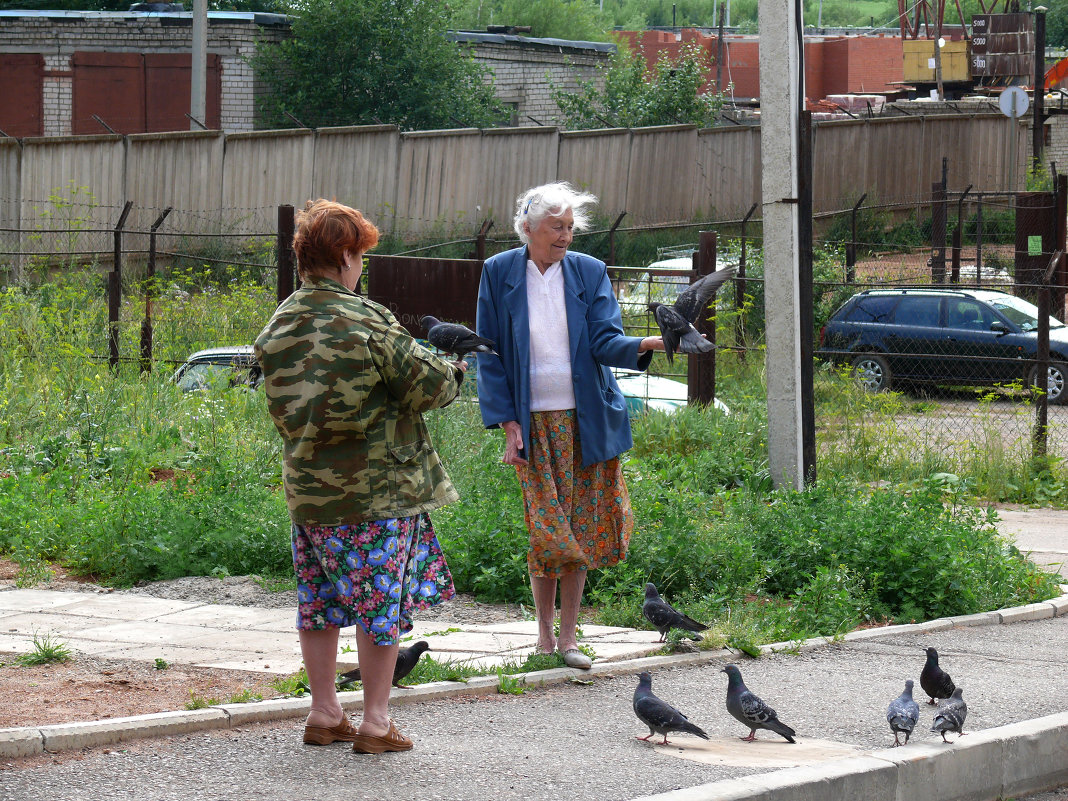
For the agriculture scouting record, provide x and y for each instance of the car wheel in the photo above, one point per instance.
(872, 372)
(1056, 380)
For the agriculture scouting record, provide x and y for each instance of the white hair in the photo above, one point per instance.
(550, 200)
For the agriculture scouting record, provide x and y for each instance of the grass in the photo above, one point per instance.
(117, 475)
(47, 649)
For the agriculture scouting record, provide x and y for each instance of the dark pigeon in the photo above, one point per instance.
(455, 338)
(676, 321)
(902, 714)
(406, 660)
(950, 715)
(665, 617)
(658, 715)
(933, 680)
(750, 710)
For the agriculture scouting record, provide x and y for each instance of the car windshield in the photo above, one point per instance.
(1021, 313)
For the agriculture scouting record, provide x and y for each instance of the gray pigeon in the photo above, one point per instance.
(659, 716)
(406, 661)
(676, 321)
(455, 338)
(950, 715)
(750, 710)
(902, 714)
(933, 680)
(665, 617)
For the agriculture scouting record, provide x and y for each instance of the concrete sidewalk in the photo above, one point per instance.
(833, 692)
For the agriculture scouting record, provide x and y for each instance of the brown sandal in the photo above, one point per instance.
(324, 735)
(393, 740)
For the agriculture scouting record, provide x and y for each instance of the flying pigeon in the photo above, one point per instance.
(676, 321)
(455, 338)
(406, 659)
(664, 616)
(902, 714)
(750, 710)
(659, 716)
(933, 680)
(950, 715)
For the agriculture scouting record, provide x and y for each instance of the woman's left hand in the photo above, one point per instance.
(651, 343)
(461, 364)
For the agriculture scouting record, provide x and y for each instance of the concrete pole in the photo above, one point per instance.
(781, 89)
(198, 80)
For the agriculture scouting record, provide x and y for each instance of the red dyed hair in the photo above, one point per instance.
(325, 230)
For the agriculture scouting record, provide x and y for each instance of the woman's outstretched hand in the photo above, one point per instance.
(513, 443)
(651, 343)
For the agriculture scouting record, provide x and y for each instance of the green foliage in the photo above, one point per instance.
(634, 95)
(46, 649)
(355, 62)
(199, 701)
(552, 19)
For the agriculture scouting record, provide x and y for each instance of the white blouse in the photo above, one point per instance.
(550, 353)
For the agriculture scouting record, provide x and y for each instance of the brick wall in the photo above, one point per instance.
(57, 35)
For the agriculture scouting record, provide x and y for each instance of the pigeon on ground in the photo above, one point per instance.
(665, 617)
(750, 710)
(950, 715)
(455, 338)
(933, 680)
(406, 659)
(659, 716)
(676, 321)
(902, 714)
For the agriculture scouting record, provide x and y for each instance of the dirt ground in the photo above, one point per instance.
(88, 688)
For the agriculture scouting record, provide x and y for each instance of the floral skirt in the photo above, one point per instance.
(578, 517)
(372, 575)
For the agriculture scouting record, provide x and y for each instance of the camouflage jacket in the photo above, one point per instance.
(346, 386)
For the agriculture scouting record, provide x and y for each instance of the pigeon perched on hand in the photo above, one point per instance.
(751, 710)
(902, 714)
(933, 680)
(660, 716)
(951, 714)
(406, 660)
(676, 321)
(665, 617)
(455, 338)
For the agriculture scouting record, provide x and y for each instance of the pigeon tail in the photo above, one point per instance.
(693, 342)
(782, 729)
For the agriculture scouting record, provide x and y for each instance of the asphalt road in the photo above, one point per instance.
(578, 740)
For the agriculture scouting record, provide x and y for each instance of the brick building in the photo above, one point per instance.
(834, 65)
(132, 70)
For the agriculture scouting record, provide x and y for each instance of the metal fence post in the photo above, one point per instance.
(701, 368)
(958, 237)
(978, 236)
(1040, 435)
(851, 245)
(739, 287)
(150, 292)
(284, 249)
(612, 238)
(938, 233)
(480, 239)
(115, 289)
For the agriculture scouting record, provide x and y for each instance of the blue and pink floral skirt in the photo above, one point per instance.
(372, 575)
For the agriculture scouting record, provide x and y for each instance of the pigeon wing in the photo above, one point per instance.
(755, 711)
(694, 298)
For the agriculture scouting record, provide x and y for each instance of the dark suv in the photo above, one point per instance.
(962, 337)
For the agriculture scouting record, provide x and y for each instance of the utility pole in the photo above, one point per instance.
(198, 79)
(781, 100)
(1038, 121)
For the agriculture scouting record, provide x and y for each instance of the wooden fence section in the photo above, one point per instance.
(450, 181)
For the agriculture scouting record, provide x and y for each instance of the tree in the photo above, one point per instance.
(577, 20)
(362, 61)
(635, 95)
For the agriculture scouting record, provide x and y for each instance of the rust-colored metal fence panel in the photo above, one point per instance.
(263, 170)
(726, 175)
(598, 162)
(661, 171)
(439, 179)
(512, 161)
(22, 112)
(411, 287)
(357, 166)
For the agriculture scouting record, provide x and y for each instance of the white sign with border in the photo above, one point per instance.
(1013, 102)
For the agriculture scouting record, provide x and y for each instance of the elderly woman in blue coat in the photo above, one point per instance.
(558, 330)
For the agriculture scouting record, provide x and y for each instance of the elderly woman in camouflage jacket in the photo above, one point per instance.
(346, 386)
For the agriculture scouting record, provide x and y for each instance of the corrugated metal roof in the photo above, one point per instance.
(502, 38)
(255, 17)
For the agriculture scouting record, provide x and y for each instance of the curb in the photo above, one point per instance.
(1003, 762)
(30, 740)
